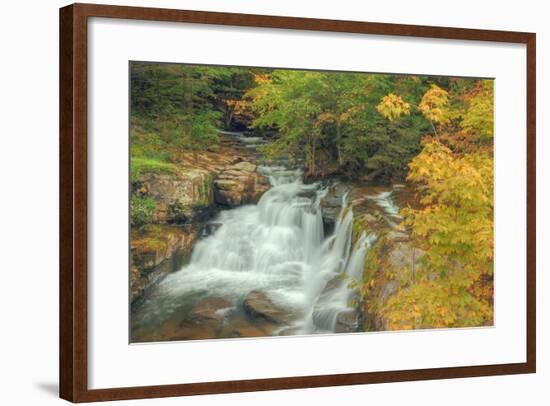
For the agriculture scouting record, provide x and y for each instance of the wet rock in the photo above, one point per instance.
(289, 331)
(239, 184)
(347, 322)
(369, 219)
(371, 223)
(331, 205)
(207, 313)
(228, 198)
(188, 333)
(397, 236)
(244, 327)
(202, 322)
(248, 330)
(138, 282)
(209, 229)
(156, 251)
(173, 332)
(258, 305)
(155, 244)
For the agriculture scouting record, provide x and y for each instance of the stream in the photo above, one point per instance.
(278, 250)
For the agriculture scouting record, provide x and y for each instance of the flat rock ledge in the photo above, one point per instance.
(239, 184)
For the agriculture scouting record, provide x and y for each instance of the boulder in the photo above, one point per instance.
(372, 223)
(289, 331)
(239, 184)
(258, 305)
(347, 322)
(138, 283)
(331, 204)
(180, 197)
(404, 257)
(397, 269)
(231, 184)
(369, 220)
(230, 198)
(152, 246)
(208, 313)
(242, 326)
(243, 166)
(397, 236)
(156, 251)
(204, 321)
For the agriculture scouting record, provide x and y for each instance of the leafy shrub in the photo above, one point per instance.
(142, 210)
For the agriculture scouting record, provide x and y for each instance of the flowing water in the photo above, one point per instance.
(277, 247)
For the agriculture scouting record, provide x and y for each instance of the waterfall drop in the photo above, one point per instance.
(277, 247)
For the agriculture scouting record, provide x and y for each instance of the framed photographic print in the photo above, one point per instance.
(349, 203)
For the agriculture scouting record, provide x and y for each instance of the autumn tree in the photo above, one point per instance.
(454, 226)
(478, 122)
(453, 288)
(433, 106)
(336, 114)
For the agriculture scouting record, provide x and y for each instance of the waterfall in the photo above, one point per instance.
(340, 263)
(277, 246)
(385, 201)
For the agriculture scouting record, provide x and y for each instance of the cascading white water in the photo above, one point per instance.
(278, 247)
(385, 201)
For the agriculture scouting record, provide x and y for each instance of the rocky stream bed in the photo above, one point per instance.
(242, 247)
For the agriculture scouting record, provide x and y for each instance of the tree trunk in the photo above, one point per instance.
(433, 128)
(313, 159)
(338, 142)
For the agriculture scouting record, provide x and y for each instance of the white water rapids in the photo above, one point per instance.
(277, 247)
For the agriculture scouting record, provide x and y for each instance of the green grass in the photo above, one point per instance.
(149, 151)
(141, 165)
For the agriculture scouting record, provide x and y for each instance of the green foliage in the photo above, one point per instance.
(454, 226)
(142, 210)
(174, 104)
(287, 100)
(202, 131)
(479, 117)
(458, 198)
(176, 108)
(139, 166)
(205, 190)
(354, 124)
(364, 126)
(337, 113)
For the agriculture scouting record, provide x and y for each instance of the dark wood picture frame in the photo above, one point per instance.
(73, 362)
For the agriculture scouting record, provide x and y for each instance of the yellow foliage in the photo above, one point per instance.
(478, 120)
(455, 229)
(435, 104)
(393, 106)
(262, 79)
